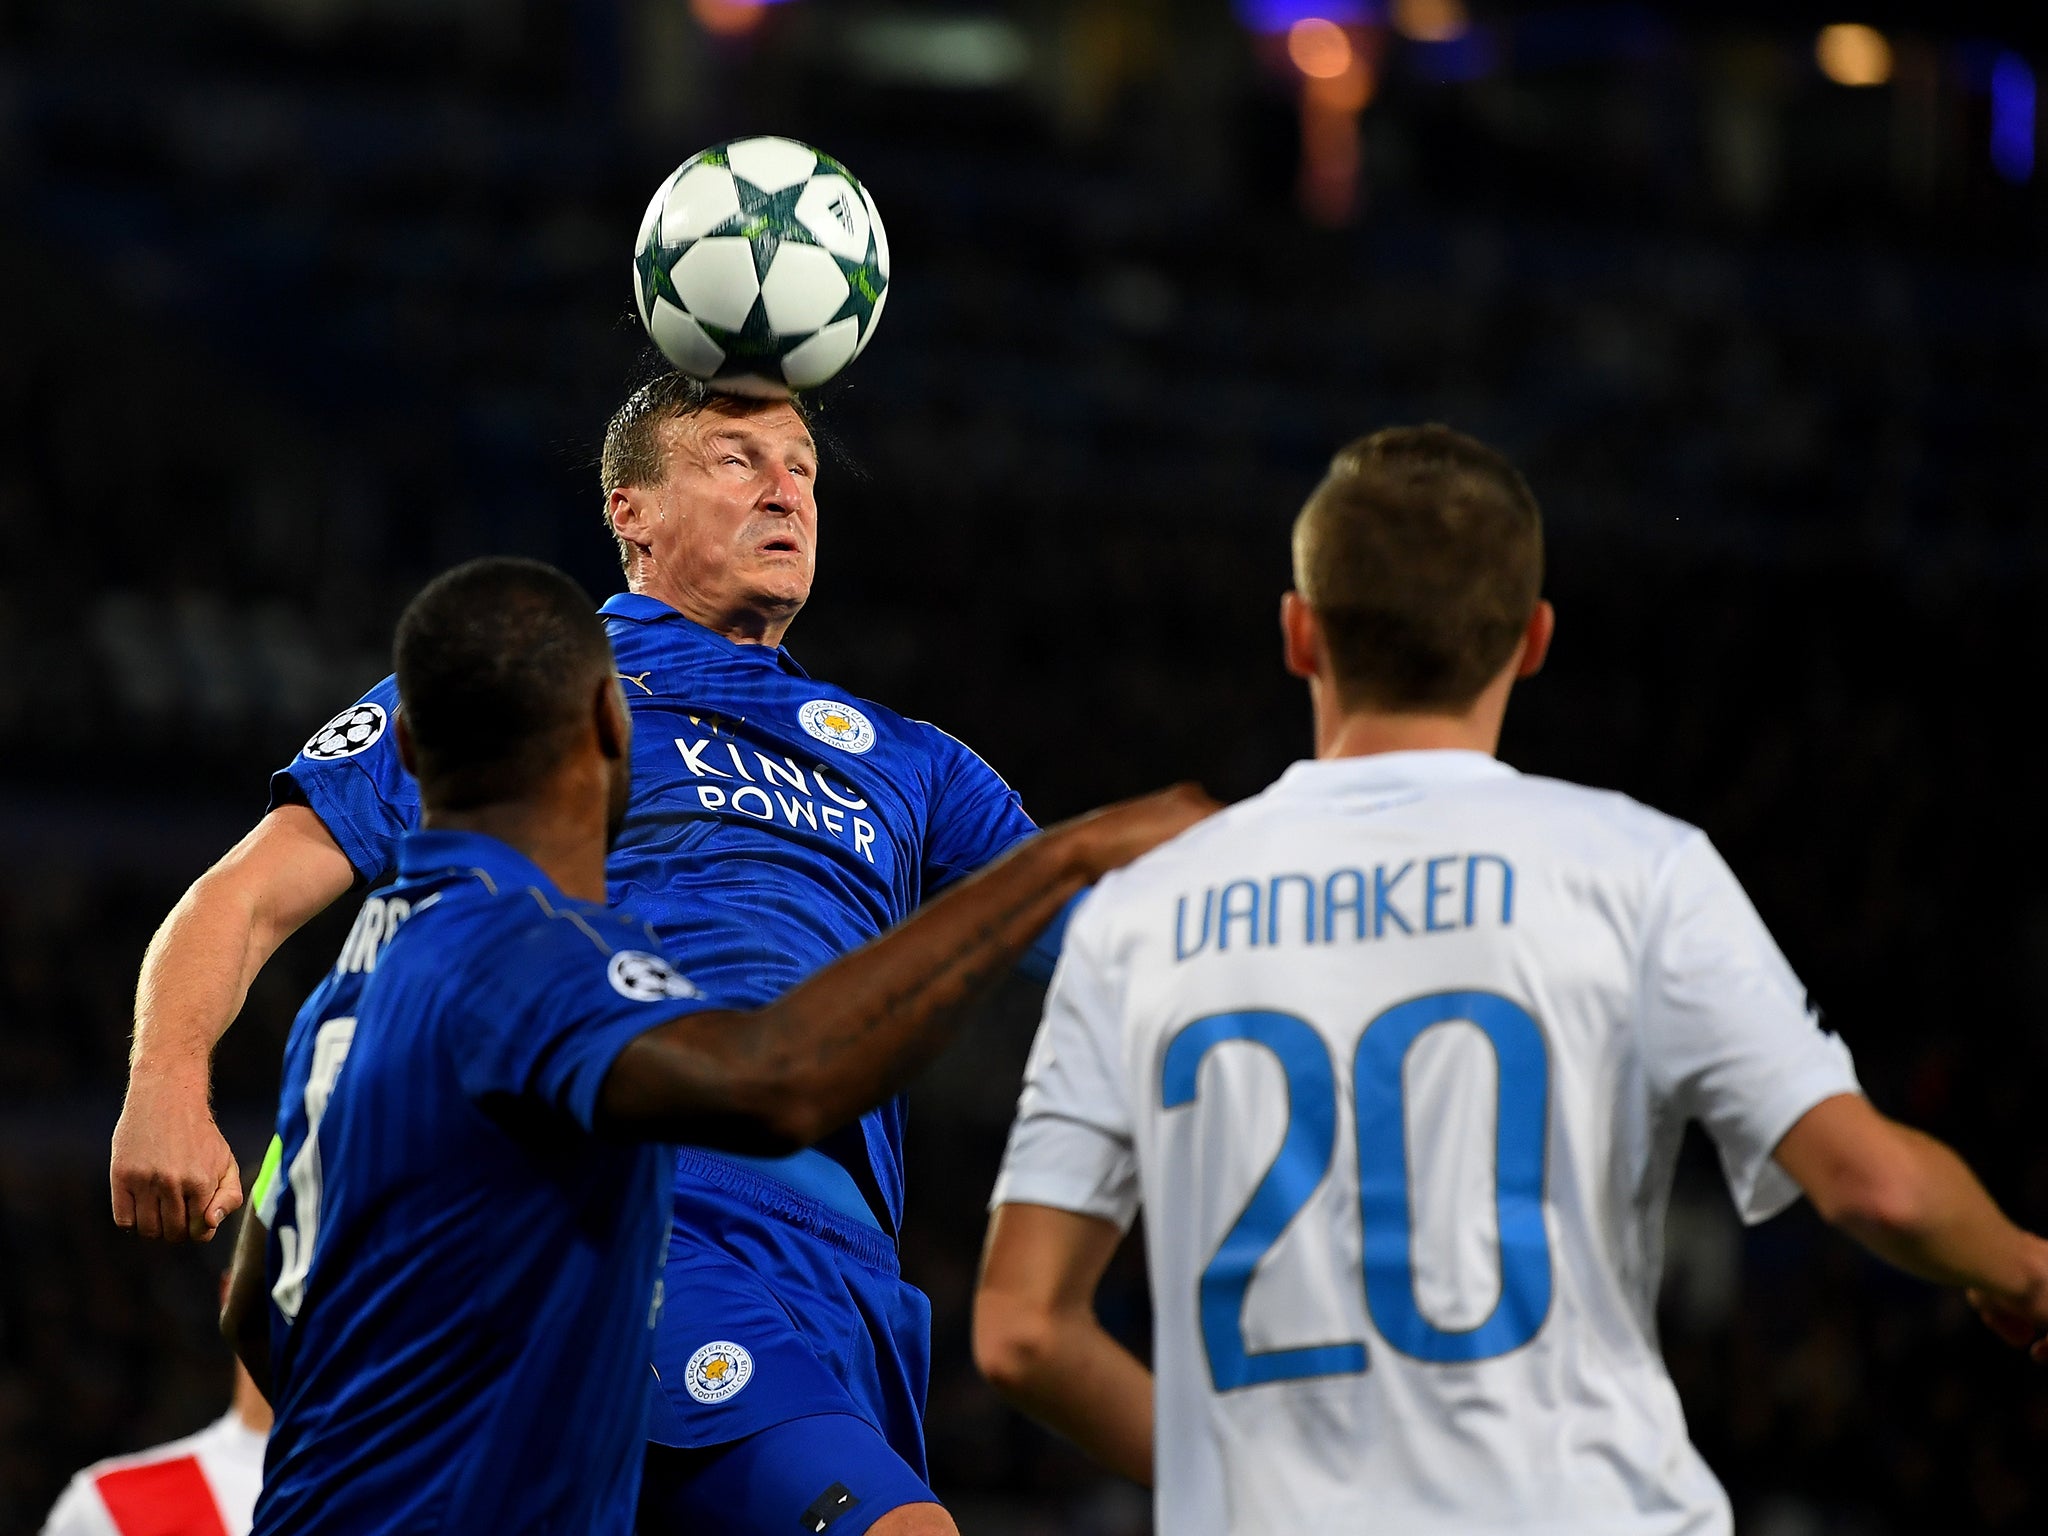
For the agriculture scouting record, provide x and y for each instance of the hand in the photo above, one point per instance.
(1117, 834)
(173, 1175)
(2021, 1319)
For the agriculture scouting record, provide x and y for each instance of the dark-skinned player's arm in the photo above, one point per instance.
(1037, 1340)
(244, 1317)
(777, 1078)
(1914, 1203)
(171, 1174)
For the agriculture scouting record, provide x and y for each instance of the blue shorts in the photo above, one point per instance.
(777, 1308)
(831, 1474)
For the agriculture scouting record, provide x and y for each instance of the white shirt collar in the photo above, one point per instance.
(1381, 773)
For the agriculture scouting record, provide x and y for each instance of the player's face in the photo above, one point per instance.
(735, 523)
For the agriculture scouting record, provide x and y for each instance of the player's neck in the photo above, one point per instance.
(743, 625)
(1363, 735)
(560, 827)
(249, 1405)
(1365, 732)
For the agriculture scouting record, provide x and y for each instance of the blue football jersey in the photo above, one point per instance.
(776, 822)
(462, 1276)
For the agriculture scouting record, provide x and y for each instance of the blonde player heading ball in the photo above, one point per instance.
(1397, 1057)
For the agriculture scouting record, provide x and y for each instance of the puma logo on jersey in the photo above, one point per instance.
(639, 682)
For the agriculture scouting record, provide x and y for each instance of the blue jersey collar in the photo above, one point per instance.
(422, 855)
(642, 609)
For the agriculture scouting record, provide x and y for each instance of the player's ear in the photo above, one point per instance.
(614, 724)
(408, 754)
(625, 510)
(1301, 635)
(1536, 640)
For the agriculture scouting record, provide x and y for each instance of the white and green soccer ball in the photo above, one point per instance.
(761, 266)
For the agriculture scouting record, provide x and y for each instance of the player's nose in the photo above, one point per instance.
(785, 494)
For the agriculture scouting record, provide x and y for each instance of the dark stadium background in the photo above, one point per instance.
(307, 299)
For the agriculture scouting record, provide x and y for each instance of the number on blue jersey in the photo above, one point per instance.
(297, 1237)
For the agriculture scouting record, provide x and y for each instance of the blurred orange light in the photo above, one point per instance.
(1852, 54)
(1350, 92)
(1431, 21)
(728, 18)
(1319, 48)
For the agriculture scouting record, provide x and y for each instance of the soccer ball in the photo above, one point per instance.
(761, 266)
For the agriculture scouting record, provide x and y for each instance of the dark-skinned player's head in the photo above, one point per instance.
(505, 672)
(1421, 555)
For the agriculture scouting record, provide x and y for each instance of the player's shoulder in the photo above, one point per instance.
(484, 951)
(221, 1465)
(184, 1448)
(1606, 816)
(1167, 867)
(355, 730)
(951, 755)
(79, 1510)
(1599, 828)
(638, 642)
(485, 922)
(858, 725)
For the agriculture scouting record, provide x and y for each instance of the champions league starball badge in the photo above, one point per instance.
(355, 729)
(646, 978)
(837, 725)
(718, 1371)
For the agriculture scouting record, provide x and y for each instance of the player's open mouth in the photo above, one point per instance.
(779, 547)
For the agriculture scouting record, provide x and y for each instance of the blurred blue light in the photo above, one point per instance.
(1471, 56)
(2012, 117)
(1279, 15)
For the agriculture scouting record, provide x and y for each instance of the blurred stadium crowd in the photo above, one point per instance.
(309, 298)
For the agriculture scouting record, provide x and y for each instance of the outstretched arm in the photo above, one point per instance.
(780, 1077)
(172, 1174)
(1914, 1203)
(1038, 1343)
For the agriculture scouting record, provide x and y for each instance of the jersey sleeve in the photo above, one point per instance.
(350, 774)
(551, 1004)
(974, 816)
(975, 819)
(1729, 1037)
(1072, 1145)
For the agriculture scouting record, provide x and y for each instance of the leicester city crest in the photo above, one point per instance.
(837, 725)
(718, 1371)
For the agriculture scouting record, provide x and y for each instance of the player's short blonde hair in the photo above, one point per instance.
(1422, 555)
(636, 444)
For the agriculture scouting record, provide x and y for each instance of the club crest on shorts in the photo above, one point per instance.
(646, 978)
(355, 729)
(837, 725)
(718, 1371)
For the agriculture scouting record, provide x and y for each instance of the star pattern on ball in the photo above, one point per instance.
(863, 284)
(763, 218)
(654, 278)
(772, 308)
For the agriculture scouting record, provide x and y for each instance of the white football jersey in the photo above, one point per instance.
(1397, 1056)
(203, 1485)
